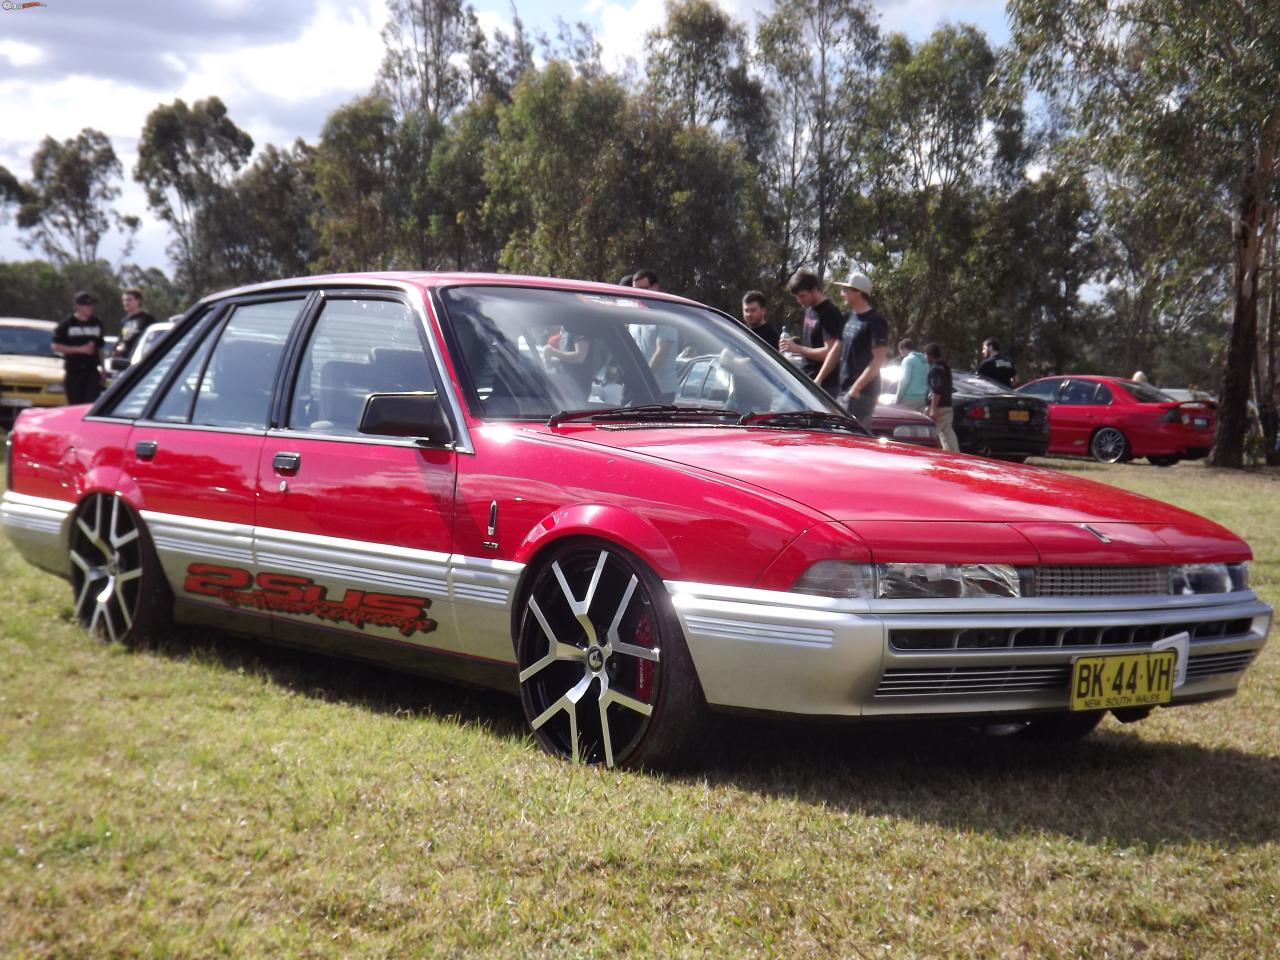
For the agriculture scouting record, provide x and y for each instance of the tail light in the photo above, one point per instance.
(978, 412)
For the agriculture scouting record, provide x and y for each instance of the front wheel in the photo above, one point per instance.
(120, 593)
(1109, 446)
(605, 675)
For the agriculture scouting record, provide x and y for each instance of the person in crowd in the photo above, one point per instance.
(939, 410)
(659, 342)
(135, 321)
(572, 353)
(913, 385)
(627, 281)
(1139, 377)
(862, 348)
(78, 340)
(754, 307)
(995, 365)
(823, 327)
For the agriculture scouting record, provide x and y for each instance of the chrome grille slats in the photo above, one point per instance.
(1102, 581)
(1138, 634)
(1024, 678)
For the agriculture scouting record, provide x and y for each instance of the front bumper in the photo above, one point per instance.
(790, 653)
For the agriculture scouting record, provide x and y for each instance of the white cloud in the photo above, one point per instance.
(20, 54)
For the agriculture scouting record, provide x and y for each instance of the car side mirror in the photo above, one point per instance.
(418, 415)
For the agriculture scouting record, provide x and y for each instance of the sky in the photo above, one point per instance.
(281, 67)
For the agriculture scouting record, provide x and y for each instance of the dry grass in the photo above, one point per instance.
(213, 796)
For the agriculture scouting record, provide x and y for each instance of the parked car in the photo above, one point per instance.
(702, 379)
(1112, 420)
(990, 419)
(30, 372)
(398, 467)
(149, 337)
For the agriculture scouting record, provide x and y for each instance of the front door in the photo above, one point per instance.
(354, 532)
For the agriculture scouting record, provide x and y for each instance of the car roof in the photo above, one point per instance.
(429, 280)
(24, 322)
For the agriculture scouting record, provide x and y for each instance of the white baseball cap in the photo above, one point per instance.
(857, 280)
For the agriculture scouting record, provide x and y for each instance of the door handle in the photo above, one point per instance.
(286, 462)
(145, 449)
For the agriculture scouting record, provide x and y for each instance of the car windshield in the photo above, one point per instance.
(26, 341)
(972, 385)
(1145, 393)
(530, 354)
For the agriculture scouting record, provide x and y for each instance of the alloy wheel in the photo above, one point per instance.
(106, 566)
(1108, 445)
(589, 656)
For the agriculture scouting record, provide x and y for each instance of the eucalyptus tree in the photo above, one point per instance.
(187, 159)
(819, 59)
(1186, 92)
(67, 207)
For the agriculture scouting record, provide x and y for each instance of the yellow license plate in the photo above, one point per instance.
(1132, 680)
(1022, 415)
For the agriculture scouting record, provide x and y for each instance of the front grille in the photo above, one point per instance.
(1024, 678)
(984, 638)
(1101, 581)
(23, 388)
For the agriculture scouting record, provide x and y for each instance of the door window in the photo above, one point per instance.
(358, 347)
(235, 387)
(1045, 390)
(1078, 393)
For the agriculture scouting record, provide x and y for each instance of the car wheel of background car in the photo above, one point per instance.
(1109, 446)
(1163, 461)
(120, 593)
(605, 675)
(1013, 459)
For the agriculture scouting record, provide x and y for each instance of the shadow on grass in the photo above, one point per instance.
(1113, 788)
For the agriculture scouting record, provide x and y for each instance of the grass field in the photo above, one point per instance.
(211, 796)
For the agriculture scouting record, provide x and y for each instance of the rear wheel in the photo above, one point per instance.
(1109, 446)
(120, 593)
(605, 676)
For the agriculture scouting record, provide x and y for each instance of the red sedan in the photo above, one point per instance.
(407, 468)
(1112, 420)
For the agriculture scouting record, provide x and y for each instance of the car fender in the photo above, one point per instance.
(603, 521)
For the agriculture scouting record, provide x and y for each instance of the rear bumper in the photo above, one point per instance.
(39, 528)
(790, 653)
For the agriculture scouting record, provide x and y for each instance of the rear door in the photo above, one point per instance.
(1077, 414)
(354, 532)
(194, 458)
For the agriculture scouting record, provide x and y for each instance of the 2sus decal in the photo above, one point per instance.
(285, 593)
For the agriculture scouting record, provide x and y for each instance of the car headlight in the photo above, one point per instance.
(922, 430)
(920, 581)
(1193, 578)
(909, 581)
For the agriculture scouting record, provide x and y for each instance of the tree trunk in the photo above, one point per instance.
(1268, 400)
(1233, 400)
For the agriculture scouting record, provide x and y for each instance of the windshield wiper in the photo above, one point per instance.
(806, 418)
(649, 412)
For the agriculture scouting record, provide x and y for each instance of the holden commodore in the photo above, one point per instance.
(481, 477)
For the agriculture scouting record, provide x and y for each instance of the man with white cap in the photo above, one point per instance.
(862, 349)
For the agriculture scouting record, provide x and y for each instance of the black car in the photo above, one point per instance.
(995, 421)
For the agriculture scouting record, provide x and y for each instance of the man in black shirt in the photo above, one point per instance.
(940, 410)
(861, 350)
(823, 325)
(753, 311)
(135, 321)
(78, 340)
(995, 365)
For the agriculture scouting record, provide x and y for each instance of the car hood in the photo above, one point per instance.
(30, 368)
(868, 484)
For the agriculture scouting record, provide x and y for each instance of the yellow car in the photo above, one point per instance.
(30, 372)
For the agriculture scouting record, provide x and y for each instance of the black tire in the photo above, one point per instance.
(597, 630)
(1013, 458)
(119, 590)
(1163, 461)
(1109, 445)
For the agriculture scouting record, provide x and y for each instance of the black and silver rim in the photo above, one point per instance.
(1108, 445)
(589, 657)
(106, 566)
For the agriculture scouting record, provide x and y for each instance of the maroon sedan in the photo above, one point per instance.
(1112, 420)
